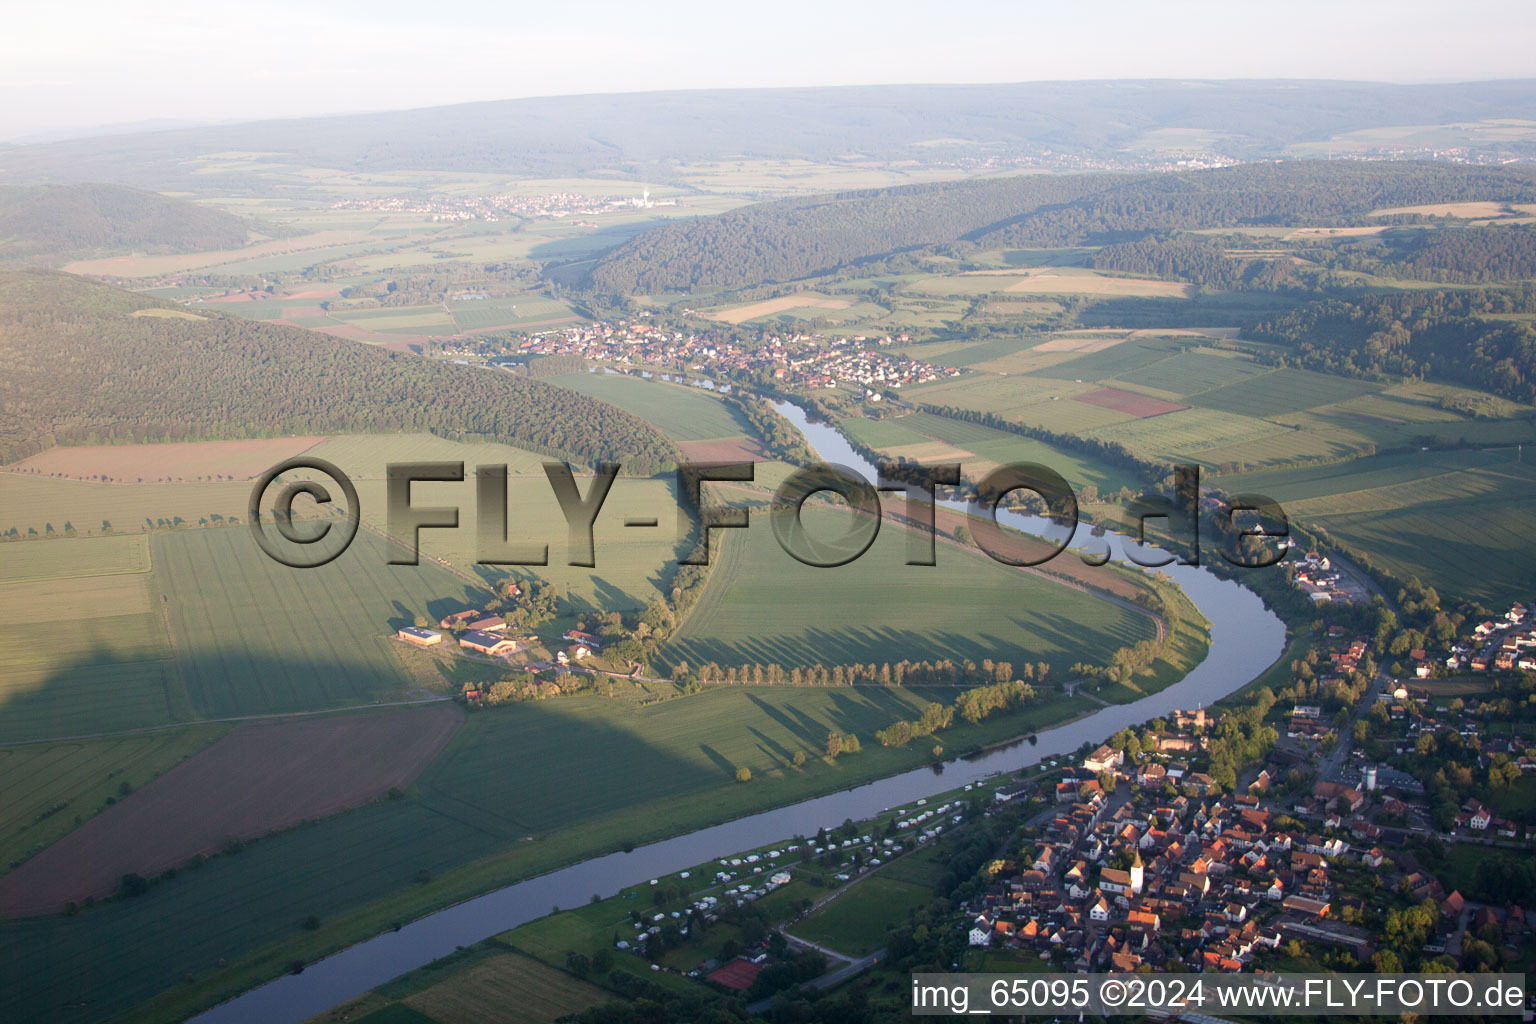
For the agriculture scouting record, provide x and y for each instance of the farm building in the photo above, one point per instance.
(487, 643)
(588, 639)
(418, 636)
(460, 619)
(489, 624)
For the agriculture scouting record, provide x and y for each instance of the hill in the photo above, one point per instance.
(649, 136)
(86, 363)
(55, 220)
(795, 238)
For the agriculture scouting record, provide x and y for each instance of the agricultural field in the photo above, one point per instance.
(1050, 280)
(410, 320)
(632, 564)
(165, 463)
(52, 787)
(511, 989)
(609, 774)
(686, 413)
(804, 304)
(32, 504)
(513, 312)
(368, 456)
(1028, 400)
(124, 554)
(855, 923)
(255, 780)
(761, 606)
(253, 636)
(82, 655)
(979, 448)
(1284, 391)
(1194, 372)
(1198, 434)
(1457, 520)
(1245, 415)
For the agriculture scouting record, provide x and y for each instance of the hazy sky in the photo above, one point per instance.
(73, 65)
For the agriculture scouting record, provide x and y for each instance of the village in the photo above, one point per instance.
(805, 360)
(1141, 861)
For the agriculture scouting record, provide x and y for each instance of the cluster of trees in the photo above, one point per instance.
(1240, 739)
(51, 221)
(556, 365)
(1436, 334)
(973, 705)
(1125, 664)
(1448, 762)
(1196, 259)
(82, 370)
(797, 238)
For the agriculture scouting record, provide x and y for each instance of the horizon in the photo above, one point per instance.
(72, 76)
(145, 126)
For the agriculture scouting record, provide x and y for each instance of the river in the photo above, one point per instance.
(1245, 639)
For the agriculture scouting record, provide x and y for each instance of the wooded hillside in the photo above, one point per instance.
(78, 367)
(796, 238)
(65, 220)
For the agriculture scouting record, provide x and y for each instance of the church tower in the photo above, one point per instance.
(1137, 872)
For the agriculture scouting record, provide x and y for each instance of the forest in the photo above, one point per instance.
(1196, 259)
(82, 368)
(1436, 334)
(796, 238)
(56, 220)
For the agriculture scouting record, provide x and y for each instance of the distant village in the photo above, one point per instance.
(806, 360)
(490, 209)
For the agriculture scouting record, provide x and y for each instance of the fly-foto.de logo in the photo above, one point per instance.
(308, 544)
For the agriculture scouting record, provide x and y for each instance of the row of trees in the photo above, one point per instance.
(944, 672)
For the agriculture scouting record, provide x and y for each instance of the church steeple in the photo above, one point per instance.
(1137, 872)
